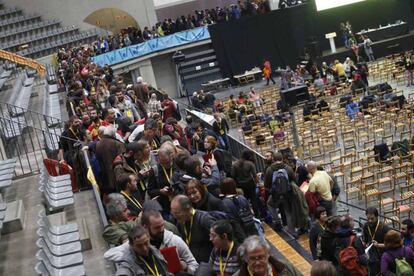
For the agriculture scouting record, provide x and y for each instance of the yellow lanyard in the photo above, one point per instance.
(375, 232)
(188, 235)
(270, 272)
(146, 166)
(166, 175)
(223, 268)
(133, 200)
(154, 145)
(323, 228)
(73, 132)
(154, 273)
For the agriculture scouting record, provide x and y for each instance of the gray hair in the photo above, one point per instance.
(252, 243)
(167, 149)
(101, 130)
(116, 205)
(109, 131)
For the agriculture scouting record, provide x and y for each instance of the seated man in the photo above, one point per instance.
(141, 258)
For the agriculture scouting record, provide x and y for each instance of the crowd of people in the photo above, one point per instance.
(132, 35)
(172, 191)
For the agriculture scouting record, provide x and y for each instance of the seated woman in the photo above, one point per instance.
(352, 109)
(201, 198)
(223, 258)
(257, 260)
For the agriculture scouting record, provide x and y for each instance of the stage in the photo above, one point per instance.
(381, 49)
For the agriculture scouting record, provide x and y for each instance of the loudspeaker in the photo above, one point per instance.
(314, 49)
(293, 95)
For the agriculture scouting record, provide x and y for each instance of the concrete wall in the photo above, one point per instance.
(73, 12)
(164, 71)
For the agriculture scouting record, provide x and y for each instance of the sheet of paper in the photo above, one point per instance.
(368, 248)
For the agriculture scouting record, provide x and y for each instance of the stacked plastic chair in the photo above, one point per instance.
(60, 248)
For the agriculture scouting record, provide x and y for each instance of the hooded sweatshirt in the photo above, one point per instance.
(116, 254)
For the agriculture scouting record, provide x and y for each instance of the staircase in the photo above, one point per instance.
(200, 66)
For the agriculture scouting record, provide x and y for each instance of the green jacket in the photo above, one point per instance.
(117, 233)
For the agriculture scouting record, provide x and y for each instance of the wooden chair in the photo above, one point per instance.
(392, 217)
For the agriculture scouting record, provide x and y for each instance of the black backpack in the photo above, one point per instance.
(281, 185)
(245, 217)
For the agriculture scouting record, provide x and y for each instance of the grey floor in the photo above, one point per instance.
(18, 250)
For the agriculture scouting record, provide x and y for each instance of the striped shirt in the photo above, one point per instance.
(232, 265)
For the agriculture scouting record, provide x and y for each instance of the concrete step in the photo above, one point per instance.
(15, 217)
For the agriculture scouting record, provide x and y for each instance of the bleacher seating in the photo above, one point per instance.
(22, 91)
(7, 13)
(39, 38)
(18, 21)
(31, 29)
(30, 36)
(59, 248)
(56, 190)
(4, 76)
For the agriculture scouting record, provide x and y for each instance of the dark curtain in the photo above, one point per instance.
(282, 35)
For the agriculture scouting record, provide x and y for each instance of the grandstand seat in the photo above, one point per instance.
(44, 267)
(59, 262)
(56, 229)
(58, 239)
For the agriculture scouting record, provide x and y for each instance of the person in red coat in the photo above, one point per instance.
(267, 72)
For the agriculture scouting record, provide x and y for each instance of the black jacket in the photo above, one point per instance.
(199, 243)
(210, 203)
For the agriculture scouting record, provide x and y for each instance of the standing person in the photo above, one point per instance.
(368, 48)
(328, 239)
(141, 258)
(323, 268)
(168, 106)
(201, 198)
(409, 66)
(163, 238)
(194, 227)
(395, 252)
(321, 183)
(345, 34)
(256, 259)
(106, 150)
(154, 105)
(277, 174)
(407, 232)
(159, 183)
(223, 258)
(318, 226)
(374, 232)
(220, 128)
(243, 172)
(267, 72)
(141, 90)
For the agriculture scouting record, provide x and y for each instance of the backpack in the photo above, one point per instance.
(348, 259)
(245, 217)
(280, 184)
(402, 267)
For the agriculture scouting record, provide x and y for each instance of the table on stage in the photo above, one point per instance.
(216, 84)
(248, 76)
(385, 32)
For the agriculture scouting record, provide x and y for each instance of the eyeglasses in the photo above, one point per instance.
(259, 258)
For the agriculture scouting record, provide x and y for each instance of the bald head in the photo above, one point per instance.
(312, 167)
